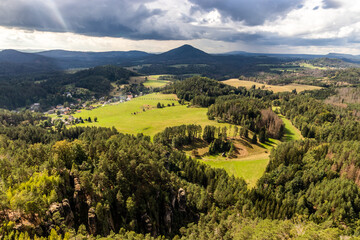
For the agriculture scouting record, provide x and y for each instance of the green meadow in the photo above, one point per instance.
(252, 166)
(310, 66)
(154, 82)
(249, 169)
(147, 118)
(141, 115)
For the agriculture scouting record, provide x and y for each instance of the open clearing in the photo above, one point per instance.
(310, 66)
(151, 81)
(252, 166)
(286, 88)
(291, 132)
(154, 82)
(150, 121)
(249, 164)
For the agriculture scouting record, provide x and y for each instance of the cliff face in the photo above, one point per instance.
(87, 208)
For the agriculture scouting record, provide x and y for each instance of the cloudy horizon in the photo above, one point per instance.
(215, 26)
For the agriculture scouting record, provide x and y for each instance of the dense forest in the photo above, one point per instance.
(202, 91)
(87, 182)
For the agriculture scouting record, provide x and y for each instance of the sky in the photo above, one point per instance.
(215, 26)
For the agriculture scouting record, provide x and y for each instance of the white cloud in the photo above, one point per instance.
(319, 25)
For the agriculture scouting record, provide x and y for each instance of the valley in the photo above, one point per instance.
(179, 120)
(167, 152)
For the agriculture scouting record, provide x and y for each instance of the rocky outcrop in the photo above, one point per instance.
(147, 222)
(168, 218)
(63, 209)
(181, 199)
(81, 202)
(92, 222)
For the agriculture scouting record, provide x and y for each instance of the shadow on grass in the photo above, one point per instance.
(269, 143)
(245, 142)
(288, 135)
(195, 145)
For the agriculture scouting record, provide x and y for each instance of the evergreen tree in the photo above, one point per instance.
(254, 139)
(262, 135)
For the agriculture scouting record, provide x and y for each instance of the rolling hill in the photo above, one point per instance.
(15, 62)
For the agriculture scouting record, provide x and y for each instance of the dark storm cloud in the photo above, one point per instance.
(253, 12)
(331, 4)
(134, 20)
(116, 18)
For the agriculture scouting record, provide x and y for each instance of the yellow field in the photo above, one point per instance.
(286, 88)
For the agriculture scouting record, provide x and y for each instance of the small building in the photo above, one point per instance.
(35, 107)
(129, 97)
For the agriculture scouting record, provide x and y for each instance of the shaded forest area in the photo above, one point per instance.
(49, 89)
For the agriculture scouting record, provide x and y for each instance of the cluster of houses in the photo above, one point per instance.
(66, 111)
(118, 99)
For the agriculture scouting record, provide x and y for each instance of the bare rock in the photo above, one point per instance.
(92, 221)
(181, 198)
(64, 209)
(147, 222)
(168, 218)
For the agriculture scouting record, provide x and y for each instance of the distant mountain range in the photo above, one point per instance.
(74, 59)
(342, 56)
(12, 61)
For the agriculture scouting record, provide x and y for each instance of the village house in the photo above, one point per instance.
(129, 97)
(35, 107)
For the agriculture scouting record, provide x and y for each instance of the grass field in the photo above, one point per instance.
(286, 88)
(310, 66)
(291, 132)
(150, 121)
(251, 170)
(252, 166)
(154, 82)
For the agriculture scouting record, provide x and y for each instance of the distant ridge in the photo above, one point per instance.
(76, 59)
(13, 56)
(15, 62)
(79, 54)
(186, 56)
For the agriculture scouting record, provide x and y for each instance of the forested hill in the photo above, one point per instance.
(49, 89)
(185, 54)
(58, 182)
(14, 62)
(185, 59)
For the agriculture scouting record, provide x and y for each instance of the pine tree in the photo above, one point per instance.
(262, 135)
(254, 139)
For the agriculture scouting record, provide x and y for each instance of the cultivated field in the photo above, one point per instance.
(275, 88)
(150, 120)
